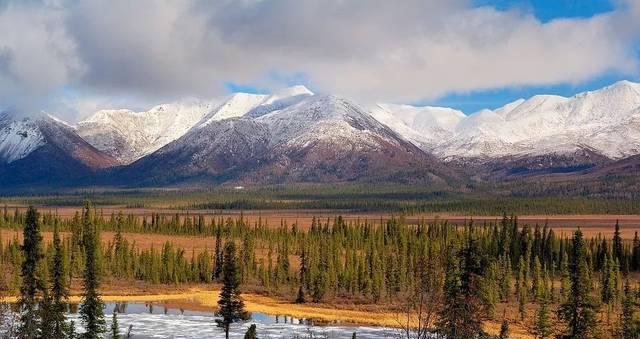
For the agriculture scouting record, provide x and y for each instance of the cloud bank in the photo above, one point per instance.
(150, 50)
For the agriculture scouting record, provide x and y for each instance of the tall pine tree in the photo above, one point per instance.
(91, 310)
(31, 284)
(59, 290)
(230, 304)
(579, 312)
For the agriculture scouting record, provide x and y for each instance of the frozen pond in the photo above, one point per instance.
(156, 321)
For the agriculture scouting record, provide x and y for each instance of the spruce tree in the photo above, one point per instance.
(608, 280)
(300, 298)
(504, 328)
(450, 317)
(618, 250)
(628, 325)
(579, 312)
(230, 304)
(218, 259)
(635, 253)
(461, 316)
(31, 284)
(91, 310)
(115, 329)
(252, 332)
(543, 326)
(59, 291)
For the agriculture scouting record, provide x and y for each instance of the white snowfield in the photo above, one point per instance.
(606, 121)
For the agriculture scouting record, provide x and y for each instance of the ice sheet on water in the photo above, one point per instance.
(177, 324)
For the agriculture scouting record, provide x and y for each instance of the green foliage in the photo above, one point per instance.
(628, 325)
(59, 290)
(91, 312)
(477, 266)
(31, 282)
(252, 332)
(115, 329)
(230, 304)
(580, 309)
(543, 326)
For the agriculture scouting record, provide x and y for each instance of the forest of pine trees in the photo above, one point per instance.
(454, 277)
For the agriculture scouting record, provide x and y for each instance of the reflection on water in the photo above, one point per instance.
(152, 320)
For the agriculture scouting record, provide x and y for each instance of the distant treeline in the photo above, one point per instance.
(407, 201)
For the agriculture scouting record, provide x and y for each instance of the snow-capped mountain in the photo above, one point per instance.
(128, 136)
(296, 135)
(320, 138)
(46, 150)
(328, 138)
(604, 121)
(424, 126)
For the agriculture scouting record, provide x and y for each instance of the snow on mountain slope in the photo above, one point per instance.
(255, 105)
(318, 139)
(604, 121)
(323, 117)
(128, 135)
(58, 157)
(18, 138)
(424, 126)
(219, 149)
(329, 138)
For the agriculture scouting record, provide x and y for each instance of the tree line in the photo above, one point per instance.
(446, 278)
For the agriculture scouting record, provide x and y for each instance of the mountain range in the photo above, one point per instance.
(294, 135)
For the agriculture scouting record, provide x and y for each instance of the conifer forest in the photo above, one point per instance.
(441, 279)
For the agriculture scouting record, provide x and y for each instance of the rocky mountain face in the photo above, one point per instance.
(318, 139)
(294, 135)
(47, 152)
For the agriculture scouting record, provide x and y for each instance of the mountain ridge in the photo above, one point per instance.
(294, 135)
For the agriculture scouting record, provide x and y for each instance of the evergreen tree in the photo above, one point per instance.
(91, 310)
(461, 316)
(59, 291)
(31, 284)
(300, 298)
(218, 256)
(618, 250)
(450, 317)
(635, 253)
(608, 280)
(115, 329)
(543, 326)
(565, 277)
(252, 332)
(580, 310)
(628, 325)
(504, 329)
(230, 304)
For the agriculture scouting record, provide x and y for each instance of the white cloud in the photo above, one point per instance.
(371, 49)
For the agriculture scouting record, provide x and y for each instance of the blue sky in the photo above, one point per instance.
(546, 10)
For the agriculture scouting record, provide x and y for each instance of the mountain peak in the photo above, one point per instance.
(293, 91)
